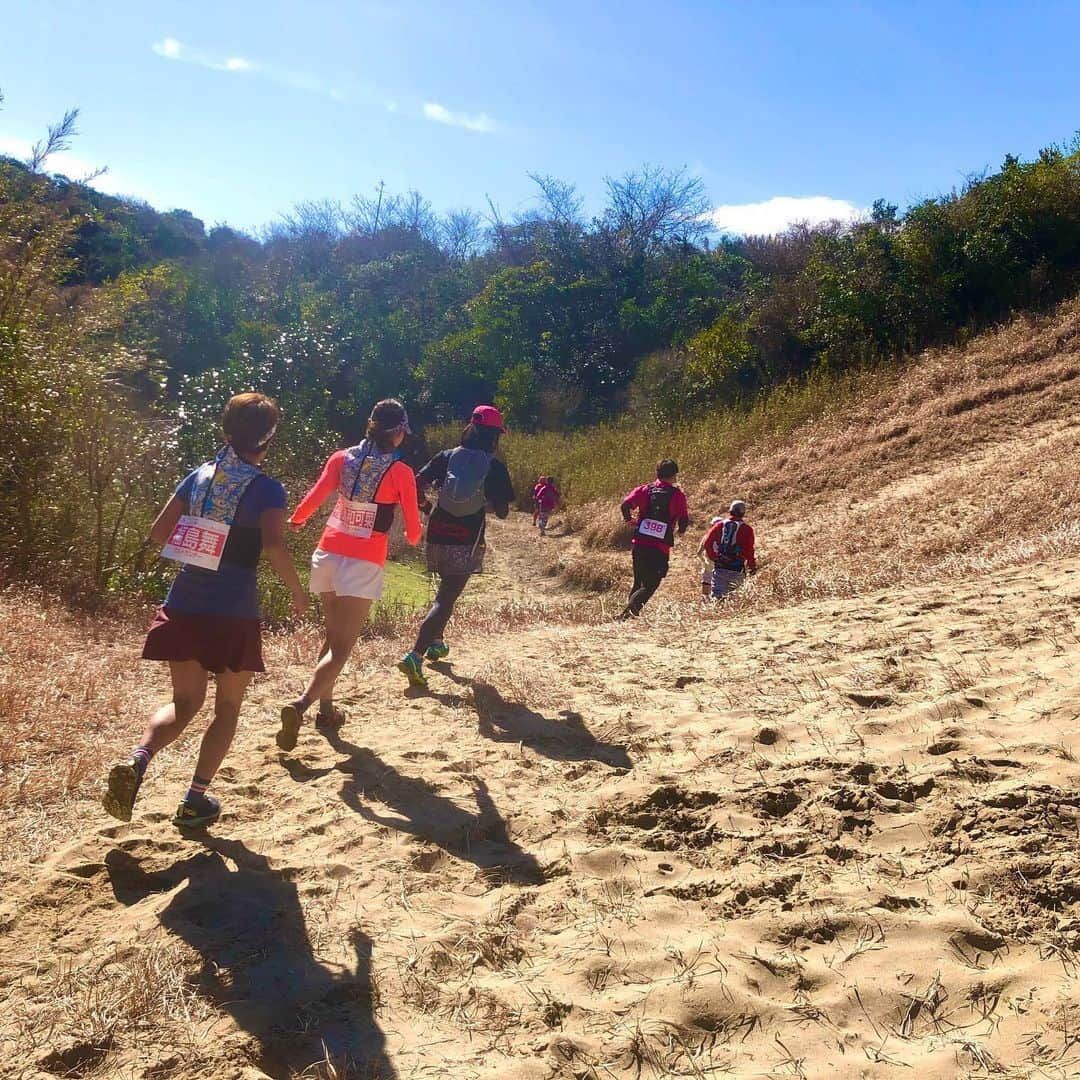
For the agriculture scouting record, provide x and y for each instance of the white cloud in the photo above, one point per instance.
(172, 49)
(442, 115)
(776, 214)
(80, 169)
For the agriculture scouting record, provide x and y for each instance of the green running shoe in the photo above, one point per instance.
(123, 786)
(291, 719)
(437, 650)
(198, 813)
(413, 667)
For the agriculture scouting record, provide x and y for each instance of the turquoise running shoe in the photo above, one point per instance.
(413, 668)
(437, 650)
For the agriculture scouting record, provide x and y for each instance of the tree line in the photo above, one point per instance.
(123, 330)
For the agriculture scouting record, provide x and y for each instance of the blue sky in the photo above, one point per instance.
(236, 110)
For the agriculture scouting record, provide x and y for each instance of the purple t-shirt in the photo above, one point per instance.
(231, 589)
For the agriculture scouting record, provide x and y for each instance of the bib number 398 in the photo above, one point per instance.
(197, 541)
(656, 530)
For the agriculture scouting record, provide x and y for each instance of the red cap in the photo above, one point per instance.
(487, 416)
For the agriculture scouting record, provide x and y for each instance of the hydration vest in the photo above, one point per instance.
(727, 547)
(201, 535)
(362, 473)
(655, 523)
(462, 492)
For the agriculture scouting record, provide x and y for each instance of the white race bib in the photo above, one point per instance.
(354, 518)
(197, 541)
(652, 528)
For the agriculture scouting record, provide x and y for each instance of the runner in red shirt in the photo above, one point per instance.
(729, 545)
(660, 510)
(546, 498)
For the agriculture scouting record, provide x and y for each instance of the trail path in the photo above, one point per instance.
(839, 839)
(517, 559)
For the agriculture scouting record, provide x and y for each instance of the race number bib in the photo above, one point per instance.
(197, 541)
(354, 518)
(657, 530)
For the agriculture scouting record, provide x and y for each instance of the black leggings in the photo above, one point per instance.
(432, 628)
(650, 568)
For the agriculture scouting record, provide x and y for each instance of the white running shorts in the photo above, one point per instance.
(345, 576)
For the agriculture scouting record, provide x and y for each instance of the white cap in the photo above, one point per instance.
(738, 508)
(716, 521)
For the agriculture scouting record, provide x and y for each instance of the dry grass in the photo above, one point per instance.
(69, 686)
(83, 1017)
(966, 461)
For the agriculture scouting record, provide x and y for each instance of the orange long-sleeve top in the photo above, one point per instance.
(398, 486)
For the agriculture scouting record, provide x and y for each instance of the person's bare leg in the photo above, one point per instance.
(189, 679)
(199, 809)
(345, 619)
(228, 698)
(345, 624)
(326, 701)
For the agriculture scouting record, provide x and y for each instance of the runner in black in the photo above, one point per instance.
(469, 479)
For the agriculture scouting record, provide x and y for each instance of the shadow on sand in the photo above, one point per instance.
(246, 922)
(481, 838)
(512, 722)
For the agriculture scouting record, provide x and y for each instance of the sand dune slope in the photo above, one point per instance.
(835, 840)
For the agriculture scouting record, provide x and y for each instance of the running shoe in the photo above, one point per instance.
(123, 786)
(437, 650)
(332, 718)
(291, 719)
(197, 813)
(413, 668)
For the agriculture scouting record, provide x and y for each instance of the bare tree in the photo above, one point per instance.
(58, 137)
(656, 207)
(462, 234)
(371, 213)
(559, 200)
(320, 219)
(414, 215)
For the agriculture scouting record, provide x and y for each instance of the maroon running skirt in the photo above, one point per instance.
(215, 641)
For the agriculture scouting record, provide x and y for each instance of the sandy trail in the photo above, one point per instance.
(840, 839)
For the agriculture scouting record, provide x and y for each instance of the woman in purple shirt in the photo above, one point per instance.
(222, 517)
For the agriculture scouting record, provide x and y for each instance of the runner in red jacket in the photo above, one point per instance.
(729, 546)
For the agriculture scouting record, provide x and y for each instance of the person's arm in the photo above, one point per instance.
(272, 527)
(405, 483)
(165, 523)
(498, 490)
(327, 482)
(682, 510)
(631, 503)
(746, 541)
(431, 475)
(705, 551)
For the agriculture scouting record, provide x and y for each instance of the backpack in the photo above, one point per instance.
(655, 522)
(462, 492)
(727, 546)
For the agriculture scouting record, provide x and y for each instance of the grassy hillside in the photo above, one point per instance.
(961, 459)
